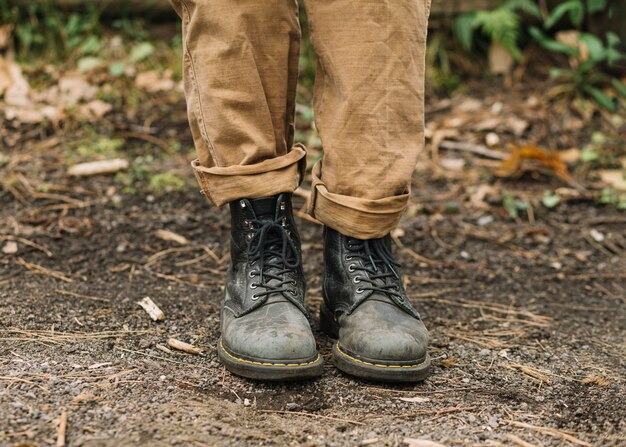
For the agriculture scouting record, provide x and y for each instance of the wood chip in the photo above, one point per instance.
(182, 346)
(164, 349)
(417, 400)
(61, 428)
(98, 167)
(153, 310)
(10, 248)
(170, 236)
(412, 442)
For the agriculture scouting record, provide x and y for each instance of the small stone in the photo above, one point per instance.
(484, 220)
(492, 139)
(291, 406)
(485, 352)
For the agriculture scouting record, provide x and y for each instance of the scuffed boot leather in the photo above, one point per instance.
(380, 334)
(265, 331)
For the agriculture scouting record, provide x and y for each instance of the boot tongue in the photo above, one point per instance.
(264, 208)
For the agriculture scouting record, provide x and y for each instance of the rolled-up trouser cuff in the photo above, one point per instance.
(353, 216)
(225, 184)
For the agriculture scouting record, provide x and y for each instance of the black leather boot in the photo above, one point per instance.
(265, 331)
(381, 335)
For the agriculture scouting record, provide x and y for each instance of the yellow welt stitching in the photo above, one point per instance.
(289, 365)
(377, 365)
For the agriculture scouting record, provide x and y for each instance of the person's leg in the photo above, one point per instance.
(241, 69)
(240, 78)
(370, 116)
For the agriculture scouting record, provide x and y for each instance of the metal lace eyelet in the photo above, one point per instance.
(249, 236)
(351, 267)
(359, 290)
(253, 285)
(252, 274)
(282, 206)
(356, 279)
(255, 297)
(293, 292)
(242, 203)
(348, 257)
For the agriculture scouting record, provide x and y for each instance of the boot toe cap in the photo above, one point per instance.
(281, 339)
(382, 332)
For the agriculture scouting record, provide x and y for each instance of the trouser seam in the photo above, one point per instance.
(199, 115)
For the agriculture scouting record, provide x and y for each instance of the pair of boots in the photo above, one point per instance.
(265, 331)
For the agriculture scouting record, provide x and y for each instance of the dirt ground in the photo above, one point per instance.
(527, 316)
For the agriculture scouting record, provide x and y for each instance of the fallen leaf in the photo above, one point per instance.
(94, 110)
(530, 158)
(614, 178)
(5, 35)
(596, 380)
(74, 89)
(153, 81)
(449, 362)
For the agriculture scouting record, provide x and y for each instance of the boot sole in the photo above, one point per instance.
(269, 370)
(371, 369)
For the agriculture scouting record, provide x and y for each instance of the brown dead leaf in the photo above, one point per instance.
(449, 362)
(531, 158)
(615, 178)
(595, 379)
(5, 35)
(74, 89)
(94, 110)
(153, 81)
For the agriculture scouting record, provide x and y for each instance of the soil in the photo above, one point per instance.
(527, 317)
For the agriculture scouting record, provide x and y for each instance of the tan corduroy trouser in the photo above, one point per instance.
(241, 70)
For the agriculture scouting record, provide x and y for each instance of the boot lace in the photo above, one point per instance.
(276, 254)
(379, 266)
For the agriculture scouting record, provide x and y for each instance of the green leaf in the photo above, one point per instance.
(594, 46)
(117, 69)
(619, 87)
(141, 51)
(574, 8)
(550, 200)
(464, 27)
(612, 39)
(89, 63)
(594, 6)
(600, 97)
(551, 44)
(528, 6)
(589, 154)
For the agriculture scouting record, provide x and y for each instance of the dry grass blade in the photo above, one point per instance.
(78, 295)
(43, 271)
(549, 431)
(27, 242)
(157, 256)
(530, 371)
(519, 441)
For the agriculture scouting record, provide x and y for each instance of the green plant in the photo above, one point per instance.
(588, 54)
(501, 25)
(43, 28)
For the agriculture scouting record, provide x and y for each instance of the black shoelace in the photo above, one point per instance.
(379, 266)
(276, 254)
